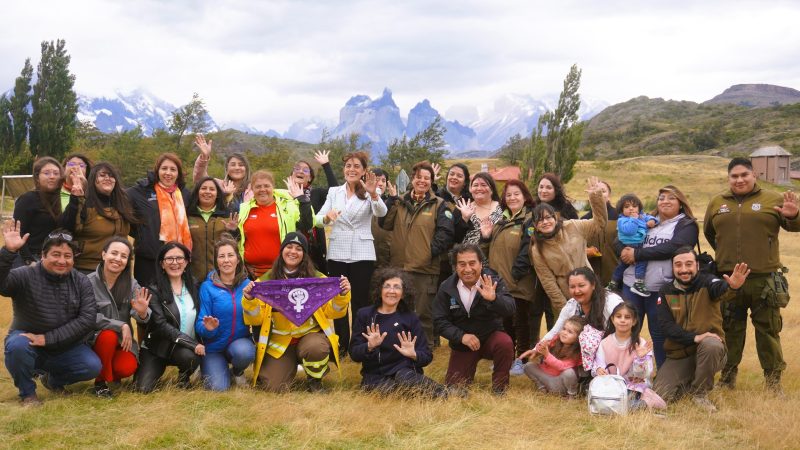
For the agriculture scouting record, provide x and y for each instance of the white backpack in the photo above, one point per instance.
(608, 394)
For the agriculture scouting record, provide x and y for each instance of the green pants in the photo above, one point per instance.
(425, 286)
(766, 318)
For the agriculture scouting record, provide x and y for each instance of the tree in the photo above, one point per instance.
(190, 118)
(340, 146)
(277, 157)
(6, 129)
(513, 150)
(554, 143)
(20, 116)
(54, 103)
(428, 144)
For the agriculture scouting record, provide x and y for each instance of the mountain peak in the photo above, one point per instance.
(756, 95)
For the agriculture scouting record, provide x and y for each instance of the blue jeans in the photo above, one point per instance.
(639, 267)
(23, 361)
(214, 366)
(647, 306)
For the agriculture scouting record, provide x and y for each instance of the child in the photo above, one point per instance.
(556, 371)
(632, 226)
(623, 352)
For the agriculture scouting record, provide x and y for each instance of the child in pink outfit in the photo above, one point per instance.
(625, 353)
(559, 358)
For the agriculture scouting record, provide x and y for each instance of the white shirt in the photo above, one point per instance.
(467, 295)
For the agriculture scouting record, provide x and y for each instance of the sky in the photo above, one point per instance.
(270, 63)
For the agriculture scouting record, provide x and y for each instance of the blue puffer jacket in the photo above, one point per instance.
(218, 301)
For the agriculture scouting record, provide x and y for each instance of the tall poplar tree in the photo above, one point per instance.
(54, 103)
(20, 116)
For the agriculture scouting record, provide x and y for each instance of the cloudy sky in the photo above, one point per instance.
(269, 63)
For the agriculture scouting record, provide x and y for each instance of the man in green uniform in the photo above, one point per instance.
(742, 225)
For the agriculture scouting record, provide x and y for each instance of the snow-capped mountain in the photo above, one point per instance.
(124, 112)
(458, 137)
(309, 130)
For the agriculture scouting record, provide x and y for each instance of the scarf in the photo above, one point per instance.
(174, 223)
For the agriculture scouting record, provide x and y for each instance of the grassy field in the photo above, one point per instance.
(346, 418)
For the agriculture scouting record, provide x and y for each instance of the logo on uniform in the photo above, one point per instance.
(448, 214)
(756, 206)
(453, 303)
(724, 209)
(529, 231)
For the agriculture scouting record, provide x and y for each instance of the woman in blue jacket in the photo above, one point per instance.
(389, 342)
(219, 323)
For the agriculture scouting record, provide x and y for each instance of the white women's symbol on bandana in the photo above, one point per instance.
(298, 297)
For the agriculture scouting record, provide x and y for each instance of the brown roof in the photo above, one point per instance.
(506, 173)
(772, 150)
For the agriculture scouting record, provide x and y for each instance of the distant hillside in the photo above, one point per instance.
(230, 141)
(756, 95)
(645, 126)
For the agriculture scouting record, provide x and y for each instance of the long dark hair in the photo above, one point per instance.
(241, 273)
(565, 351)
(118, 200)
(51, 201)
(80, 156)
(194, 199)
(598, 299)
(540, 211)
(489, 180)
(406, 302)
(636, 329)
(465, 190)
(163, 286)
(122, 287)
(561, 203)
(304, 270)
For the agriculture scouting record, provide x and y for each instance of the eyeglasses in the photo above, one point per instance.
(302, 169)
(175, 259)
(546, 219)
(60, 235)
(393, 287)
(74, 164)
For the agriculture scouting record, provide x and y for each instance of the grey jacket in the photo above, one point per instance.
(111, 315)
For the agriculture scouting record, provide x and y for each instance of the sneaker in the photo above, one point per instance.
(102, 390)
(31, 401)
(640, 289)
(612, 286)
(240, 380)
(518, 368)
(704, 403)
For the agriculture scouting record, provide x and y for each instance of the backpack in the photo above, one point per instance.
(608, 394)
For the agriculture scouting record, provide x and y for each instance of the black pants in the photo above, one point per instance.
(404, 381)
(359, 273)
(541, 306)
(152, 367)
(144, 270)
(523, 325)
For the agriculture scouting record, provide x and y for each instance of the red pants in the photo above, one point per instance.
(117, 363)
(498, 347)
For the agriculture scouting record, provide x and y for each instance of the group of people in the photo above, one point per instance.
(462, 261)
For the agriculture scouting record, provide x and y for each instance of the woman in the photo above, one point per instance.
(423, 223)
(267, 218)
(209, 218)
(456, 188)
(392, 359)
(559, 246)
(349, 209)
(39, 210)
(220, 325)
(119, 298)
(483, 209)
(170, 335)
(235, 185)
(104, 211)
(159, 200)
(600, 251)
(551, 191)
(76, 167)
(677, 227)
(285, 343)
(504, 240)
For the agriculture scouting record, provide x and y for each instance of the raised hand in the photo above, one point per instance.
(140, 302)
(232, 223)
(391, 190)
(344, 285)
(371, 184)
(593, 185)
(406, 347)
(791, 205)
(487, 288)
(205, 147)
(127, 337)
(228, 187)
(293, 187)
(13, 241)
(642, 350)
(436, 169)
(486, 228)
(374, 336)
(738, 276)
(467, 208)
(322, 156)
(77, 180)
(210, 323)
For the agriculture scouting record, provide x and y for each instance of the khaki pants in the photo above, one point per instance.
(312, 351)
(425, 287)
(693, 374)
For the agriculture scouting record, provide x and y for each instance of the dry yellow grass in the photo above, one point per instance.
(346, 418)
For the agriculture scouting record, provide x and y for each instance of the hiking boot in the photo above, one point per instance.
(704, 403)
(31, 401)
(499, 391)
(612, 286)
(772, 381)
(727, 379)
(640, 289)
(518, 368)
(102, 390)
(184, 381)
(315, 385)
(45, 379)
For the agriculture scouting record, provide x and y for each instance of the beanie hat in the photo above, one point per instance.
(295, 238)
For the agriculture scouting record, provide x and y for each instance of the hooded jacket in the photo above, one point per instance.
(293, 215)
(219, 301)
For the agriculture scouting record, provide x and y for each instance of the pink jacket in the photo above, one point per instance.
(554, 366)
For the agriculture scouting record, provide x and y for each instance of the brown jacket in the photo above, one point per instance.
(91, 231)
(566, 251)
(502, 249)
(204, 235)
(382, 239)
(421, 232)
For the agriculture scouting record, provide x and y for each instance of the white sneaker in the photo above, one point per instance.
(240, 381)
(518, 368)
(300, 368)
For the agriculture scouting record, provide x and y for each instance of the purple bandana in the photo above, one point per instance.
(297, 298)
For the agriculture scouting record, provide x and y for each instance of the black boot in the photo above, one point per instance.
(772, 380)
(728, 378)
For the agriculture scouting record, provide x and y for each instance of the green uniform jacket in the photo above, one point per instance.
(746, 230)
(502, 250)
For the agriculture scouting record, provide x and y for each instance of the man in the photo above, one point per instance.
(742, 224)
(689, 315)
(54, 311)
(468, 312)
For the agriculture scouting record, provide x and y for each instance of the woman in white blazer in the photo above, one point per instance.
(349, 209)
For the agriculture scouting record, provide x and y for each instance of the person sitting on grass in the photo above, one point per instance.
(632, 225)
(54, 313)
(555, 373)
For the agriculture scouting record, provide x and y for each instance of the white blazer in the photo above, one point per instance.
(350, 239)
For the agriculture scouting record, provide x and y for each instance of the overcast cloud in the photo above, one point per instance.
(270, 63)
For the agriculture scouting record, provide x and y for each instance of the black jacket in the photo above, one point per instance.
(62, 308)
(385, 360)
(316, 235)
(163, 330)
(144, 202)
(452, 322)
(34, 219)
(460, 226)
